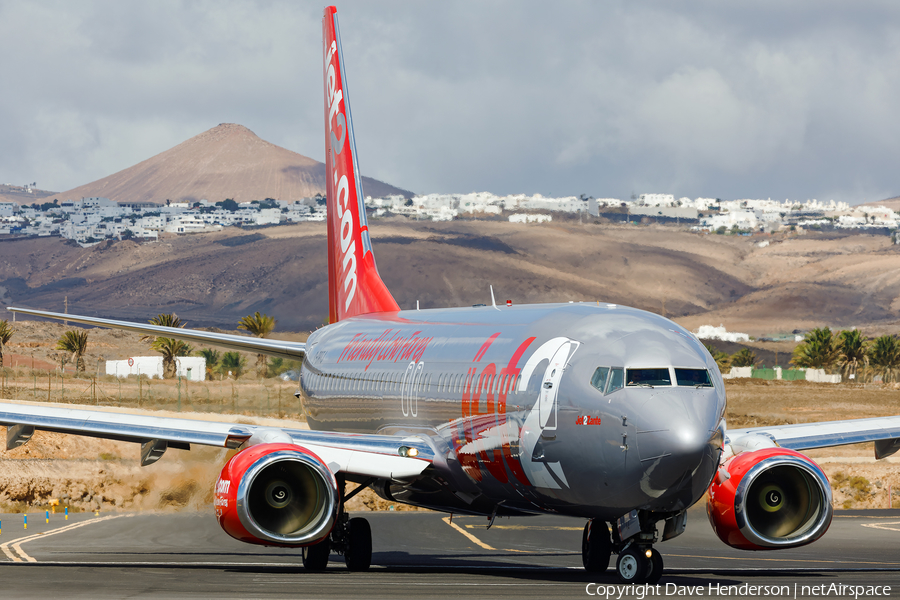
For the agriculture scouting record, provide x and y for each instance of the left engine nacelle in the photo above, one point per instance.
(277, 494)
(773, 498)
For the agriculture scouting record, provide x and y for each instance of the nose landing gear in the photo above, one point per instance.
(638, 561)
(639, 565)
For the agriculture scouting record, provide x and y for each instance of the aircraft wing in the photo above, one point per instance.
(366, 455)
(288, 350)
(884, 431)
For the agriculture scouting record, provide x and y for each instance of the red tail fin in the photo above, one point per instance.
(354, 286)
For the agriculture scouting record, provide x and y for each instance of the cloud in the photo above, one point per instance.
(700, 98)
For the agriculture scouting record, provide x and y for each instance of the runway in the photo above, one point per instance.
(416, 555)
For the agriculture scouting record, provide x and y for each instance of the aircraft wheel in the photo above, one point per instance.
(656, 566)
(632, 566)
(596, 547)
(315, 557)
(359, 545)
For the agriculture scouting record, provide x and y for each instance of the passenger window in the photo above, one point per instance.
(693, 377)
(598, 380)
(616, 380)
(648, 377)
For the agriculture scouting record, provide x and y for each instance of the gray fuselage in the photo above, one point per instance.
(529, 408)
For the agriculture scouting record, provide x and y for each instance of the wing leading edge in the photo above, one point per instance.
(283, 349)
(366, 455)
(884, 431)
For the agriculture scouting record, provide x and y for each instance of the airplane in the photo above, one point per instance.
(582, 409)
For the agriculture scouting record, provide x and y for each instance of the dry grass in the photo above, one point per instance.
(857, 480)
(267, 397)
(753, 402)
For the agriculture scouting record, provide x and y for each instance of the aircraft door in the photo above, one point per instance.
(406, 384)
(547, 405)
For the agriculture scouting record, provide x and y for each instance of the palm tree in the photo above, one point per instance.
(259, 326)
(854, 352)
(744, 358)
(212, 360)
(232, 364)
(276, 365)
(168, 347)
(818, 350)
(723, 361)
(885, 356)
(6, 332)
(76, 343)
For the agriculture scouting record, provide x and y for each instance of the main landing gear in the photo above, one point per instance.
(638, 561)
(351, 538)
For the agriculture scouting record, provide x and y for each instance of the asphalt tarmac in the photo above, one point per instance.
(423, 555)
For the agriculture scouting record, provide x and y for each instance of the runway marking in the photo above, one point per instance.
(16, 544)
(471, 537)
(530, 527)
(883, 526)
(481, 544)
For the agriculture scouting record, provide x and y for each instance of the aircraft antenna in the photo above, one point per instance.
(493, 301)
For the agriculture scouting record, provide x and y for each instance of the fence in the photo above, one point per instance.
(784, 374)
(266, 397)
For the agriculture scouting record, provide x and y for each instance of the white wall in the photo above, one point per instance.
(819, 376)
(152, 367)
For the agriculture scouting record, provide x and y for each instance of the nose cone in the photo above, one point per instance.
(679, 444)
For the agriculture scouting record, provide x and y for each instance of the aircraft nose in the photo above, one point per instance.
(679, 443)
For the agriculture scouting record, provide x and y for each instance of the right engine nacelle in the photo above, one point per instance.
(774, 498)
(277, 494)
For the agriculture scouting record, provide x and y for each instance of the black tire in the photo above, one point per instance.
(315, 557)
(596, 547)
(359, 545)
(633, 566)
(656, 567)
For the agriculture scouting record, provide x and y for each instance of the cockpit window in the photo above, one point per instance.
(598, 380)
(649, 377)
(616, 380)
(694, 377)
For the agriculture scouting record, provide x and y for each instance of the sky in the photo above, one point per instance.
(764, 99)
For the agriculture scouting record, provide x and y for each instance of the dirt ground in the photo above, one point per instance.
(89, 474)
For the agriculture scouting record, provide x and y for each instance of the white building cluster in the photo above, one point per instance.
(91, 220)
(445, 207)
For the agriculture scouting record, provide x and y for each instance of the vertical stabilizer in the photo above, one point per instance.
(354, 286)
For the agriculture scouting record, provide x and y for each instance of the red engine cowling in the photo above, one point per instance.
(775, 498)
(277, 494)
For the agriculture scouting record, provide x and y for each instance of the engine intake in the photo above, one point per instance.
(774, 498)
(277, 494)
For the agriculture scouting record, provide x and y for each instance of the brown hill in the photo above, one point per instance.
(228, 161)
(214, 279)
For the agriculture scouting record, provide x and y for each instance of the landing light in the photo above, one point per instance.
(407, 451)
(648, 553)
